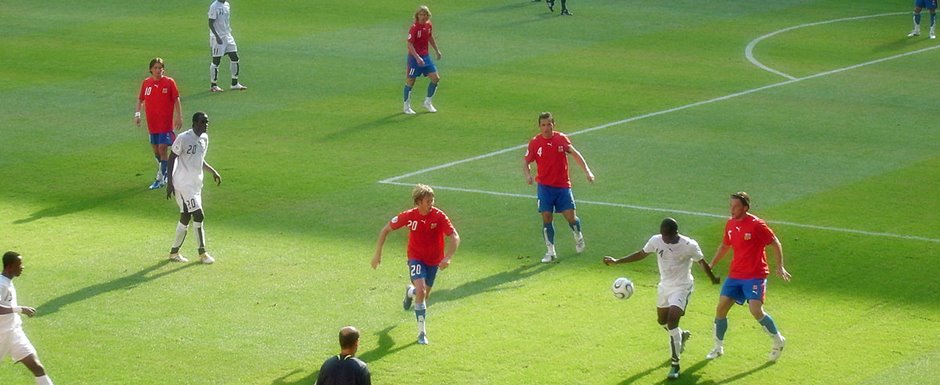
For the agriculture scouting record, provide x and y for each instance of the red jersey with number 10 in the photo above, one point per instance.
(426, 234)
(159, 97)
(418, 36)
(551, 159)
(748, 237)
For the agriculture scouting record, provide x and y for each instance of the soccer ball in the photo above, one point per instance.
(622, 288)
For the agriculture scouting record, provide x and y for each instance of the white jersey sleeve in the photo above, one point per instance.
(8, 300)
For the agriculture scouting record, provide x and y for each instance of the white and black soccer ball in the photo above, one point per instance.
(622, 288)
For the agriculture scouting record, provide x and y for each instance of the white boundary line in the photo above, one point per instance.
(749, 51)
(395, 179)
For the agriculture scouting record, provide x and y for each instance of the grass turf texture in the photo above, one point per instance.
(293, 225)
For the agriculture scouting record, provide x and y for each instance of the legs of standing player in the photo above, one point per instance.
(548, 233)
(160, 154)
(198, 229)
(214, 74)
(233, 66)
(181, 228)
(409, 84)
(564, 8)
(432, 87)
(32, 363)
(721, 326)
(422, 291)
(575, 223)
(933, 23)
(757, 310)
(916, 30)
(669, 318)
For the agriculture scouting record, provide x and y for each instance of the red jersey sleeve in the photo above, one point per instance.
(143, 87)
(174, 92)
(764, 233)
(399, 220)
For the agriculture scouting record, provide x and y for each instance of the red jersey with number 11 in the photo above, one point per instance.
(418, 36)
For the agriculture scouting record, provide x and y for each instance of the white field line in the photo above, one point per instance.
(395, 179)
(749, 50)
(685, 212)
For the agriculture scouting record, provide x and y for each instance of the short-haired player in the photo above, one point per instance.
(13, 341)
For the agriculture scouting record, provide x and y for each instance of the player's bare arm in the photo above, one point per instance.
(581, 162)
(215, 174)
(778, 254)
(170, 190)
(414, 53)
(434, 45)
(708, 271)
(636, 256)
(177, 116)
(29, 311)
(527, 171)
(453, 242)
(719, 254)
(383, 234)
(140, 104)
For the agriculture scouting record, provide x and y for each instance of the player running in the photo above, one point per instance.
(549, 150)
(675, 253)
(13, 340)
(419, 61)
(429, 228)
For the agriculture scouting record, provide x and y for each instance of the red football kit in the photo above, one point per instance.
(418, 36)
(159, 97)
(426, 236)
(749, 237)
(551, 159)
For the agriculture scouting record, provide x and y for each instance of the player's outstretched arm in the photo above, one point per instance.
(453, 242)
(581, 162)
(636, 256)
(383, 234)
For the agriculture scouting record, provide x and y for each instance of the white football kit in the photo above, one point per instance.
(219, 12)
(190, 151)
(13, 341)
(675, 269)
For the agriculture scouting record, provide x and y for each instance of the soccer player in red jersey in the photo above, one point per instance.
(748, 235)
(549, 150)
(428, 229)
(419, 61)
(164, 114)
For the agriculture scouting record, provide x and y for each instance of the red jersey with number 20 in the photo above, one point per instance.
(749, 238)
(159, 97)
(426, 234)
(551, 159)
(418, 36)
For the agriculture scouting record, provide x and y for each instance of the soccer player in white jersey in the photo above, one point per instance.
(186, 165)
(221, 42)
(13, 341)
(675, 253)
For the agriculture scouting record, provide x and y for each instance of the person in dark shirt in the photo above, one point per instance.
(345, 368)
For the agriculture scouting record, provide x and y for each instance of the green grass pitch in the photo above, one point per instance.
(838, 145)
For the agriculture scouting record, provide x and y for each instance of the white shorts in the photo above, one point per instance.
(14, 343)
(228, 45)
(668, 296)
(189, 201)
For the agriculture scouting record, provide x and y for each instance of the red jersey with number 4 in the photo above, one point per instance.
(159, 98)
(426, 234)
(551, 159)
(749, 238)
(418, 36)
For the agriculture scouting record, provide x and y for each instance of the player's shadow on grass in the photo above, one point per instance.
(74, 206)
(491, 283)
(645, 373)
(688, 375)
(377, 124)
(386, 346)
(123, 283)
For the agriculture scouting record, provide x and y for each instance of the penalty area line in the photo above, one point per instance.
(685, 212)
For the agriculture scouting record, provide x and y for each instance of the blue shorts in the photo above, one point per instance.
(419, 270)
(929, 4)
(555, 199)
(742, 290)
(414, 70)
(166, 138)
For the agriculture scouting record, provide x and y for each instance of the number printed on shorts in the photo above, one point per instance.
(190, 204)
(415, 270)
